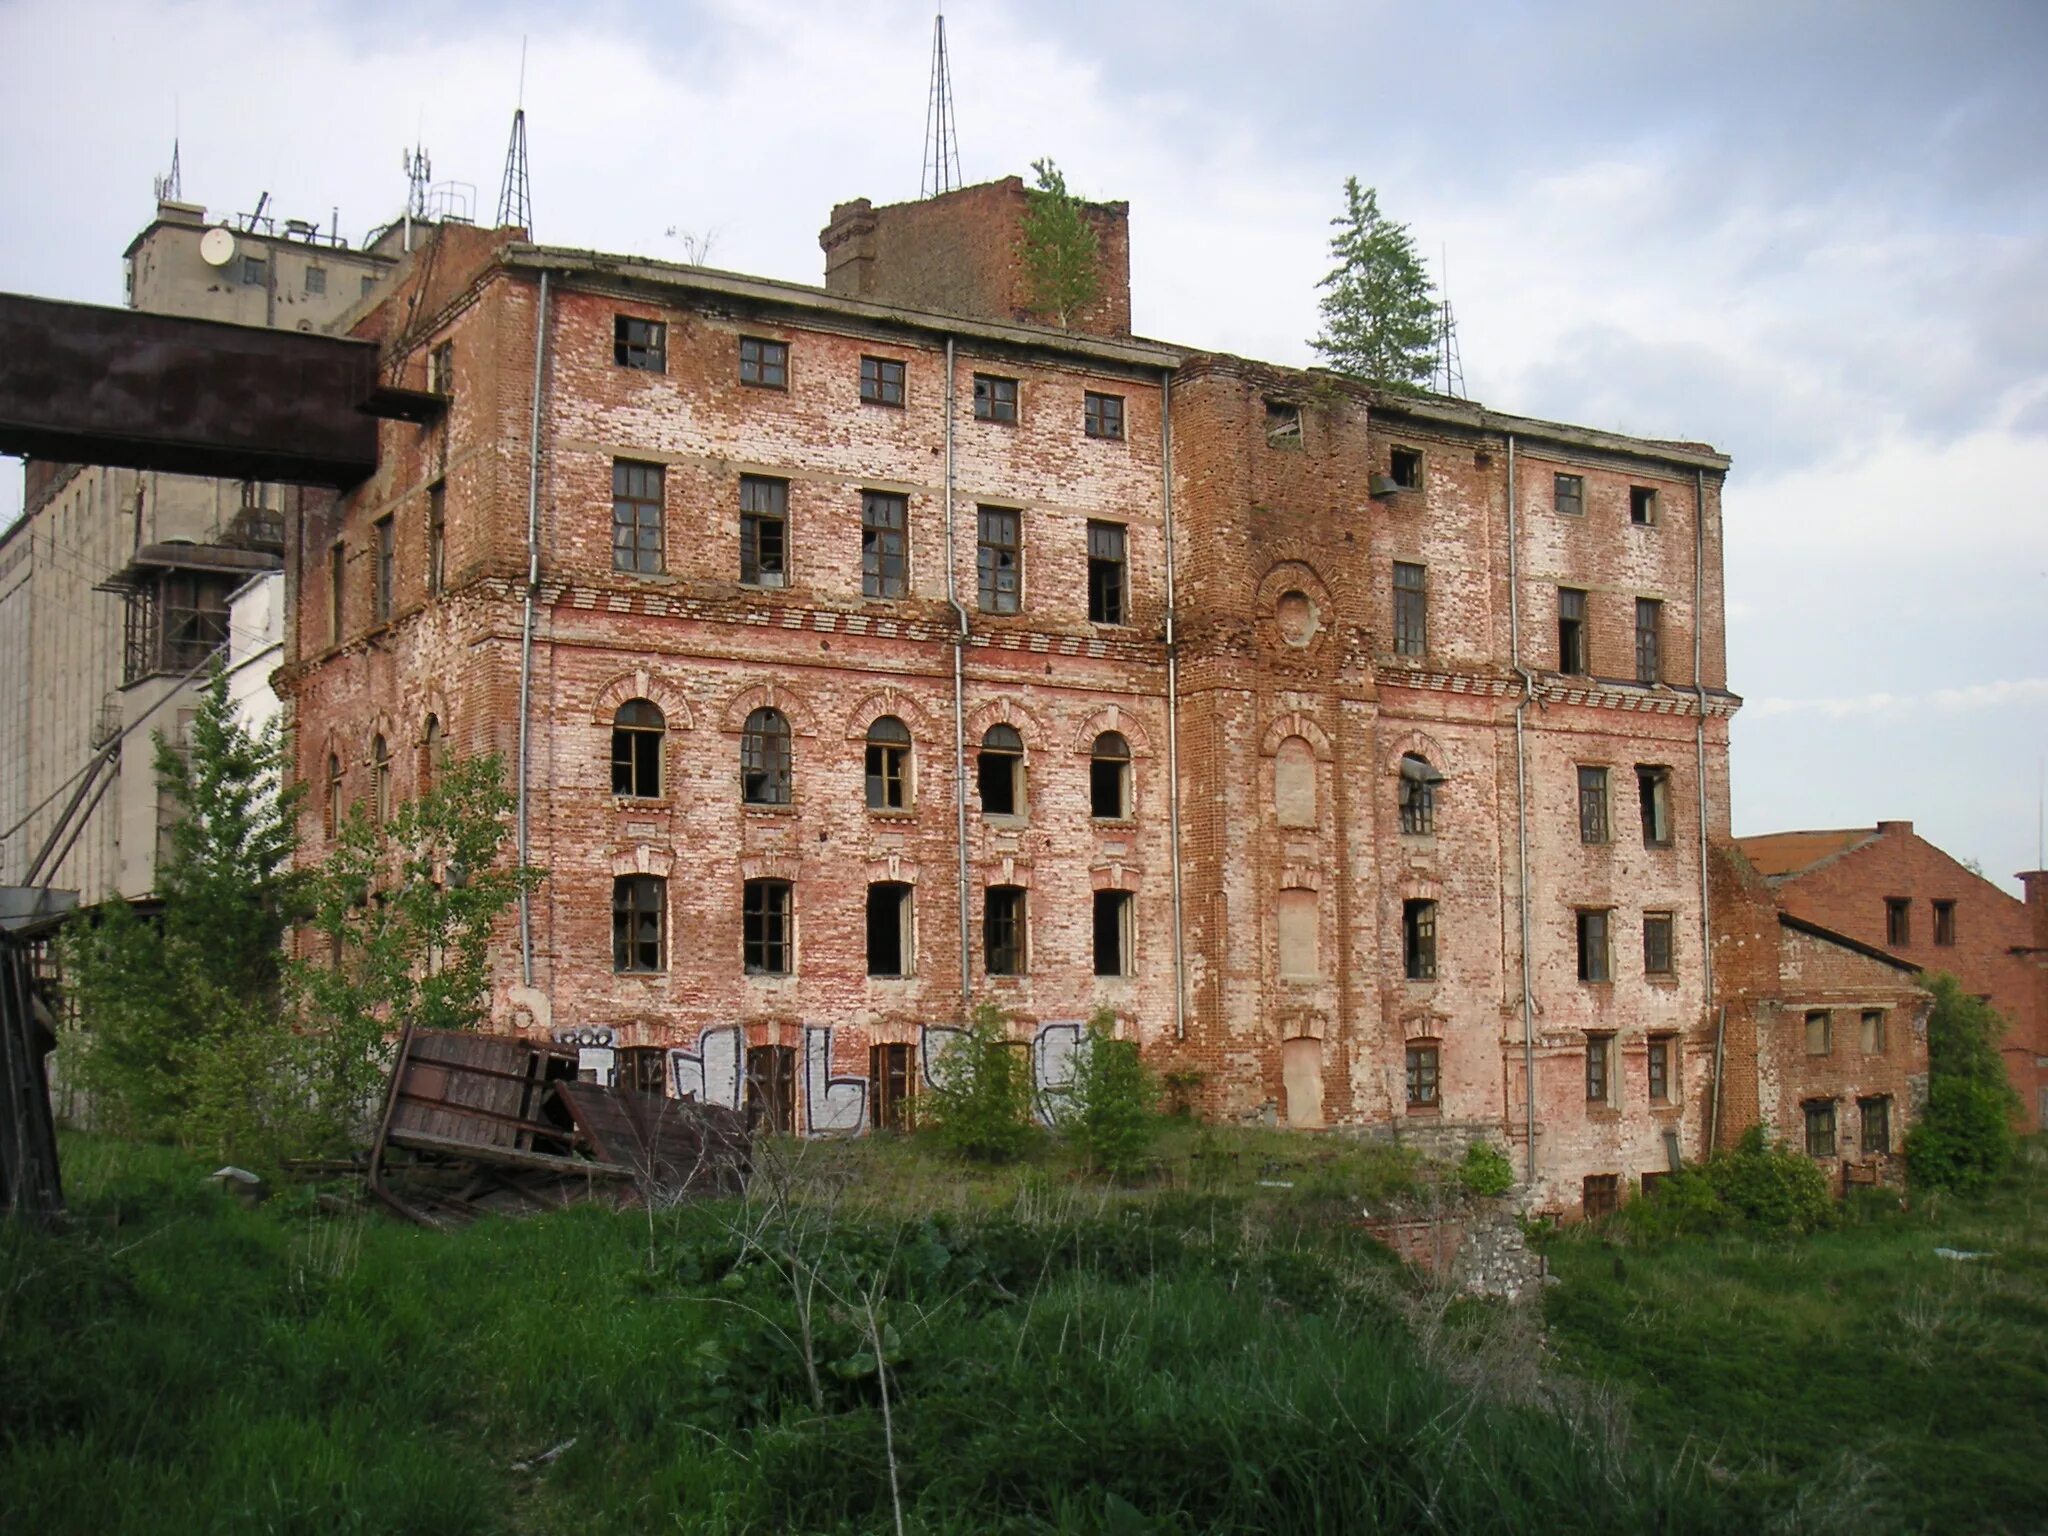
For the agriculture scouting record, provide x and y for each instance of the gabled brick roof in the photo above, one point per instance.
(1778, 854)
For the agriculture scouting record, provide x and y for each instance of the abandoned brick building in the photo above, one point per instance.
(869, 651)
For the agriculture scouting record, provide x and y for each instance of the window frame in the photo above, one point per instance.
(337, 590)
(1825, 1018)
(767, 759)
(1657, 1068)
(1574, 655)
(1416, 797)
(1559, 495)
(639, 345)
(1873, 1039)
(1102, 416)
(1109, 575)
(764, 363)
(768, 927)
(1898, 921)
(1418, 939)
(384, 583)
(1000, 585)
(886, 764)
(1642, 506)
(877, 382)
(1654, 804)
(1013, 757)
(1411, 609)
(1405, 467)
(437, 537)
(1649, 641)
(903, 895)
(1596, 827)
(996, 398)
(1667, 922)
(643, 744)
(631, 909)
(1821, 1121)
(1109, 778)
(1114, 912)
(764, 505)
(637, 513)
(1595, 934)
(1424, 1070)
(1944, 921)
(1882, 1103)
(1599, 1068)
(1005, 908)
(883, 542)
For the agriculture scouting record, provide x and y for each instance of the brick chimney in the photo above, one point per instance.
(2035, 883)
(1895, 829)
(958, 254)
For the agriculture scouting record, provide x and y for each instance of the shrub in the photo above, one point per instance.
(1964, 1137)
(1115, 1116)
(1486, 1170)
(979, 1105)
(1770, 1188)
(1683, 1203)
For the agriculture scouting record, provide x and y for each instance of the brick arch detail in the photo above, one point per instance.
(435, 707)
(1422, 744)
(1113, 718)
(1292, 575)
(769, 866)
(655, 687)
(381, 725)
(1296, 723)
(890, 701)
(776, 696)
(1004, 711)
(643, 859)
(1008, 870)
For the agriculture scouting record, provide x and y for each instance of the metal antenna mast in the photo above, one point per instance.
(515, 204)
(941, 172)
(1450, 366)
(419, 172)
(171, 186)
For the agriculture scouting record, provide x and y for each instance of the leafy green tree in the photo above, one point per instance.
(1378, 305)
(979, 1104)
(1058, 248)
(1115, 1097)
(1964, 1138)
(181, 1019)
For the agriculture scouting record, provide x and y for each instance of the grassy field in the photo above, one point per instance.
(877, 1336)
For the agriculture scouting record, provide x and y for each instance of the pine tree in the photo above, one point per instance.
(1058, 248)
(1378, 306)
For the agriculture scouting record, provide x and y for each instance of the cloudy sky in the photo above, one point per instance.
(1813, 234)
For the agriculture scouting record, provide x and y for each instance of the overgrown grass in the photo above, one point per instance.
(1855, 1369)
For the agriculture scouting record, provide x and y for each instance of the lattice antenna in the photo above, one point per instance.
(171, 187)
(419, 175)
(941, 172)
(515, 202)
(1449, 378)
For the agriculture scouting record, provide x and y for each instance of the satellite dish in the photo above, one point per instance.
(217, 247)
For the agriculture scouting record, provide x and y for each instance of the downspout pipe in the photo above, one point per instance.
(540, 335)
(1522, 810)
(1699, 688)
(1180, 961)
(959, 706)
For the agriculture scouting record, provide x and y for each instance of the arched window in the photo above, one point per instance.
(380, 780)
(1109, 778)
(888, 765)
(1418, 795)
(764, 759)
(1000, 772)
(334, 806)
(431, 749)
(1294, 783)
(637, 731)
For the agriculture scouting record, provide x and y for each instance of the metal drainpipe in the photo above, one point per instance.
(1180, 962)
(1699, 688)
(1522, 808)
(959, 706)
(540, 334)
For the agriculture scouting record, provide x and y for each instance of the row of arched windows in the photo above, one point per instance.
(768, 764)
(379, 764)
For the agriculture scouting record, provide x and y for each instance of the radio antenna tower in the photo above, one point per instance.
(1450, 366)
(419, 174)
(171, 187)
(941, 172)
(515, 203)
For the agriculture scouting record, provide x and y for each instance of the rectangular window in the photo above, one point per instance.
(884, 543)
(1820, 1127)
(999, 560)
(1571, 631)
(1873, 1031)
(441, 369)
(1642, 505)
(1568, 494)
(1649, 639)
(1107, 589)
(995, 399)
(1418, 940)
(640, 344)
(437, 536)
(1113, 947)
(1598, 1048)
(1653, 796)
(316, 280)
(1297, 926)
(1660, 1069)
(1592, 925)
(1411, 609)
(387, 570)
(1424, 1063)
(1405, 465)
(764, 364)
(999, 774)
(888, 766)
(881, 381)
(892, 1086)
(1002, 930)
(767, 937)
(1898, 921)
(771, 1089)
(637, 923)
(337, 581)
(1876, 1137)
(254, 269)
(637, 539)
(1944, 922)
(1592, 805)
(369, 283)
(1820, 1033)
(1283, 424)
(1600, 1195)
(888, 929)
(1103, 415)
(1657, 944)
(764, 531)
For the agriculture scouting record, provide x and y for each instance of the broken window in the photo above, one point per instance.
(764, 364)
(1109, 778)
(888, 765)
(999, 772)
(1571, 631)
(1411, 609)
(999, 560)
(888, 929)
(1876, 1137)
(1898, 921)
(1103, 415)
(1873, 1031)
(441, 369)
(1944, 922)
(387, 570)
(1598, 1055)
(637, 542)
(637, 731)
(1283, 424)
(1106, 568)
(1405, 465)
(892, 1086)
(995, 399)
(1593, 956)
(764, 531)
(437, 536)
(1113, 947)
(638, 922)
(334, 802)
(380, 780)
(1657, 944)
(1424, 1064)
(640, 344)
(1592, 805)
(1820, 1033)
(1568, 494)
(1418, 795)
(767, 939)
(337, 563)
(1649, 639)
(771, 1089)
(884, 543)
(1653, 796)
(1820, 1127)
(1642, 504)
(194, 611)
(881, 381)
(1418, 940)
(1600, 1195)
(1659, 1058)
(1002, 930)
(765, 758)
(1299, 933)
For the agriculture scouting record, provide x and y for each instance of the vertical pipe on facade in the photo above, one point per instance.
(1522, 808)
(959, 704)
(1180, 964)
(540, 334)
(1699, 688)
